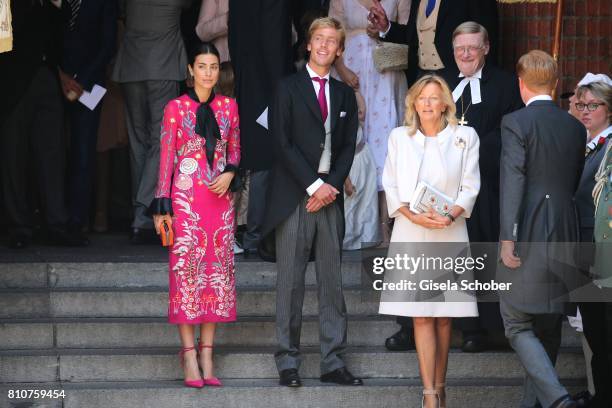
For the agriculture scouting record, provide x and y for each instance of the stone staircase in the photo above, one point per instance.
(97, 330)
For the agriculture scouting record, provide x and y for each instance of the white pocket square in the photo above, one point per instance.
(342, 114)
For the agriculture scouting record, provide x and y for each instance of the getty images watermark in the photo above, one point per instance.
(411, 265)
(455, 271)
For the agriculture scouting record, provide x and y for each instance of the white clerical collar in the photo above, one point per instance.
(593, 143)
(539, 98)
(474, 82)
(314, 74)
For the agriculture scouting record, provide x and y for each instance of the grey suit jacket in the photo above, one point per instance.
(541, 162)
(584, 197)
(152, 47)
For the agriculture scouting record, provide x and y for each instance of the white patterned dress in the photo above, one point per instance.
(384, 93)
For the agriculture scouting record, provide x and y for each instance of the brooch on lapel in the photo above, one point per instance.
(460, 142)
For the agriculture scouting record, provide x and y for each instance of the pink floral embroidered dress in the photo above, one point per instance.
(202, 287)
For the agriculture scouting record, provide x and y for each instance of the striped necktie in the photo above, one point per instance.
(75, 5)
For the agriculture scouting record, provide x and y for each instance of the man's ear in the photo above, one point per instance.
(487, 47)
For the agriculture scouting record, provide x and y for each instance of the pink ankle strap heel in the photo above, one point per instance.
(189, 383)
(212, 381)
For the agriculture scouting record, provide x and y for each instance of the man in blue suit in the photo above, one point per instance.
(89, 44)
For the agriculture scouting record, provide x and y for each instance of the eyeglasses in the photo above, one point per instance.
(591, 107)
(470, 49)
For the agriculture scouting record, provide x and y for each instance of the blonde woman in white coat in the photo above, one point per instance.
(432, 148)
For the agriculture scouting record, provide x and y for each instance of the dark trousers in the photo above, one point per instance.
(597, 332)
(258, 187)
(83, 137)
(32, 138)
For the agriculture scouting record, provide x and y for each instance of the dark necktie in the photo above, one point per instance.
(75, 5)
(431, 5)
(321, 97)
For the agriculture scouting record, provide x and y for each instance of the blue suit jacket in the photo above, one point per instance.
(89, 47)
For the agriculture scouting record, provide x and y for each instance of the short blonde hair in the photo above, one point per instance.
(471, 27)
(411, 117)
(538, 70)
(327, 22)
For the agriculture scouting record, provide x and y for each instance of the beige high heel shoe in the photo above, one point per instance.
(441, 394)
(429, 392)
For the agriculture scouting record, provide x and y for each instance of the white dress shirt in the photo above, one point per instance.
(325, 161)
(539, 98)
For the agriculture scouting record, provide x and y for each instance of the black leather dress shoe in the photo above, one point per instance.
(400, 341)
(473, 345)
(290, 378)
(584, 399)
(564, 402)
(65, 236)
(341, 376)
(144, 236)
(251, 253)
(18, 242)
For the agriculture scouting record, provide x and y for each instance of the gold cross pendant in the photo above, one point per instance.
(463, 122)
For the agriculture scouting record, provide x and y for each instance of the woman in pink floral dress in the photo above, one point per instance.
(200, 152)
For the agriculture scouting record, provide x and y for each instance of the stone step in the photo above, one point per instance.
(161, 364)
(387, 393)
(151, 302)
(156, 332)
(140, 275)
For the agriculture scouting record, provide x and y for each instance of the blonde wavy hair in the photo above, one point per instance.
(411, 117)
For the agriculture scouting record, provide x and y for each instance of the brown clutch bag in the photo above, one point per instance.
(167, 235)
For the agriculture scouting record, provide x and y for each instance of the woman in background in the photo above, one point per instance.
(384, 93)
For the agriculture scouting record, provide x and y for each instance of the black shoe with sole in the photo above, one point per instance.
(290, 378)
(341, 376)
(401, 341)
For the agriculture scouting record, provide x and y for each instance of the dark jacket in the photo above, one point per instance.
(37, 41)
(500, 96)
(89, 47)
(541, 162)
(299, 136)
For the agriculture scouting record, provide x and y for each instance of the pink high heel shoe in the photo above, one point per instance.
(189, 383)
(213, 381)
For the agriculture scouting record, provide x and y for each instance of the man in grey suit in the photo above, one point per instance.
(150, 65)
(541, 163)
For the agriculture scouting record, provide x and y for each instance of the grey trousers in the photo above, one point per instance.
(536, 340)
(145, 102)
(295, 237)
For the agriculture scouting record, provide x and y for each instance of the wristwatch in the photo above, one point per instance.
(450, 217)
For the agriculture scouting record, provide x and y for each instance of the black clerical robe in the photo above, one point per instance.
(500, 95)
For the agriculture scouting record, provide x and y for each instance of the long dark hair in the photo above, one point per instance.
(200, 48)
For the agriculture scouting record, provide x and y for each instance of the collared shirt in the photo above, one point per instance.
(539, 98)
(325, 161)
(474, 82)
(593, 143)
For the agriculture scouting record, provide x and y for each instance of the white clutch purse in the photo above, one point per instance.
(426, 196)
